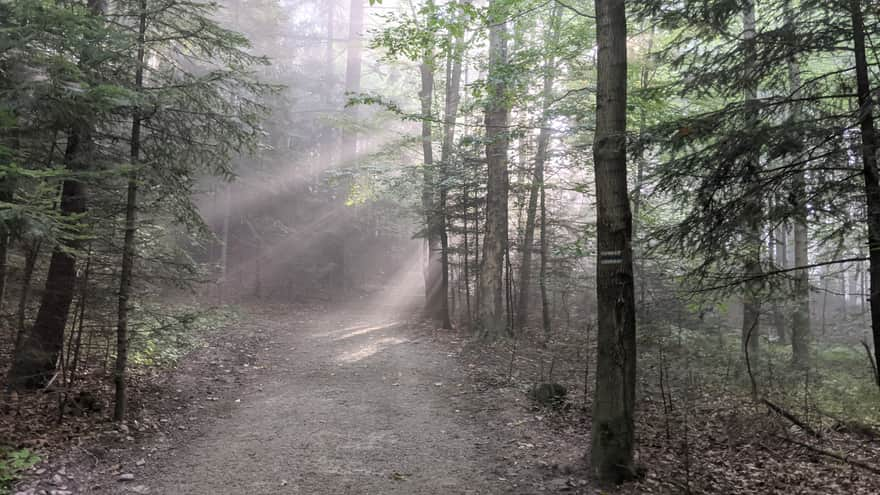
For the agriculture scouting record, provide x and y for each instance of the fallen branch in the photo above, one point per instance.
(791, 417)
(852, 462)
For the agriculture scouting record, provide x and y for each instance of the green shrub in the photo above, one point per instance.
(12, 463)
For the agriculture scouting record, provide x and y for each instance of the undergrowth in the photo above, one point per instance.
(164, 335)
(12, 463)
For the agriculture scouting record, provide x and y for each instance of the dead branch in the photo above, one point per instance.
(791, 417)
(852, 462)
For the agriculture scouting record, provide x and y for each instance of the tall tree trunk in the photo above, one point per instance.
(535, 189)
(452, 100)
(128, 244)
(801, 334)
(544, 254)
(752, 214)
(31, 254)
(328, 134)
(869, 162)
(36, 358)
(434, 294)
(644, 81)
(224, 246)
(353, 74)
(614, 400)
(492, 319)
(779, 242)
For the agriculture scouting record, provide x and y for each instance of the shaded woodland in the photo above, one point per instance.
(658, 221)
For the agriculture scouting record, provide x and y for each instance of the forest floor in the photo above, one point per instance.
(369, 399)
(366, 400)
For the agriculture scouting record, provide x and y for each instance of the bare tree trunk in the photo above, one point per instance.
(467, 271)
(644, 81)
(83, 303)
(434, 295)
(780, 248)
(492, 319)
(128, 245)
(452, 100)
(353, 74)
(614, 400)
(31, 254)
(35, 362)
(869, 162)
(535, 189)
(752, 216)
(224, 246)
(328, 134)
(544, 254)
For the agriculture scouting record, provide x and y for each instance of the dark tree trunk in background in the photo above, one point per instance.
(35, 360)
(435, 296)
(869, 162)
(31, 254)
(37, 355)
(801, 334)
(542, 275)
(752, 216)
(779, 242)
(535, 189)
(492, 318)
(328, 134)
(644, 81)
(614, 399)
(453, 98)
(353, 75)
(128, 245)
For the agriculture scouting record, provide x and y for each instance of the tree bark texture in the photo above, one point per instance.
(613, 429)
(869, 163)
(492, 318)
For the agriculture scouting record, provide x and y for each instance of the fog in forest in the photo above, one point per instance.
(439, 246)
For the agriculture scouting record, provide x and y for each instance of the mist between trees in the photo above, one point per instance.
(677, 203)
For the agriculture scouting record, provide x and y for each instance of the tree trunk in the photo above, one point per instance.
(644, 80)
(224, 246)
(752, 214)
(800, 324)
(128, 245)
(542, 275)
(329, 91)
(780, 250)
(614, 400)
(452, 100)
(353, 75)
(535, 189)
(492, 320)
(31, 254)
(434, 294)
(35, 361)
(869, 162)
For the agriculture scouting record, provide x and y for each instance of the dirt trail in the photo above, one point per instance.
(351, 402)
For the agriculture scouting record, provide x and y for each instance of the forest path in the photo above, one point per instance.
(352, 401)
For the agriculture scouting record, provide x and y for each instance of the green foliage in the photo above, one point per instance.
(12, 463)
(163, 335)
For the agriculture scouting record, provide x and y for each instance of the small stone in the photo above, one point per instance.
(57, 480)
(125, 477)
(140, 462)
(139, 489)
(60, 492)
